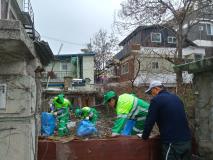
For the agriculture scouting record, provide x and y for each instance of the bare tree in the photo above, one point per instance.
(135, 49)
(176, 13)
(104, 45)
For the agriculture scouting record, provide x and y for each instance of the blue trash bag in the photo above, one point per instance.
(48, 124)
(128, 127)
(86, 128)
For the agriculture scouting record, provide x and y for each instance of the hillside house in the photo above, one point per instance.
(22, 58)
(77, 66)
(72, 74)
(154, 48)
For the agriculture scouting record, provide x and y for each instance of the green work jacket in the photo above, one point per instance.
(130, 107)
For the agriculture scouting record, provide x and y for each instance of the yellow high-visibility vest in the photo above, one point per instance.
(124, 104)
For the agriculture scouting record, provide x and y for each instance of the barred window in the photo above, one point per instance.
(155, 65)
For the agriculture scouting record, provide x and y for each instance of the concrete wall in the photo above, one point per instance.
(204, 114)
(17, 119)
(203, 88)
(88, 68)
(21, 4)
(21, 98)
(17, 139)
(18, 115)
(21, 93)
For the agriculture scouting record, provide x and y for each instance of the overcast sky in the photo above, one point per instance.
(74, 21)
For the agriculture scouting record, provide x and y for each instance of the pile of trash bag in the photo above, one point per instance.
(48, 124)
(128, 127)
(86, 128)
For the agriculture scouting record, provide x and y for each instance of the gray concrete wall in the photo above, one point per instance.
(203, 88)
(17, 140)
(88, 68)
(18, 119)
(18, 124)
(20, 95)
(204, 114)
(18, 62)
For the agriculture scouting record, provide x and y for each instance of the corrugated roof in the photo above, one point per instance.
(43, 51)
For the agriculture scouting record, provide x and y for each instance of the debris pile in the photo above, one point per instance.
(103, 125)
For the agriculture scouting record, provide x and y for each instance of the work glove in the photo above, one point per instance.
(139, 135)
(115, 134)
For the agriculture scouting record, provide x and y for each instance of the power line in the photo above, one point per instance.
(64, 41)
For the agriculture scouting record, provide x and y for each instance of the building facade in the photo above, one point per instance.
(148, 53)
(76, 66)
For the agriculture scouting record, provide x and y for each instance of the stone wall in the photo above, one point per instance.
(203, 88)
(204, 114)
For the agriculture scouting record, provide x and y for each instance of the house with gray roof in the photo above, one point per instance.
(149, 52)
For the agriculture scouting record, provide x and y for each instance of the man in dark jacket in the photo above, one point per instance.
(167, 110)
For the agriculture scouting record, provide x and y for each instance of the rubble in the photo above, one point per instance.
(103, 125)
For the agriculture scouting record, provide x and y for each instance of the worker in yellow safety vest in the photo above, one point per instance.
(61, 109)
(88, 113)
(131, 113)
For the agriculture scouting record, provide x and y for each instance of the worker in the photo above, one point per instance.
(61, 109)
(128, 108)
(88, 113)
(168, 111)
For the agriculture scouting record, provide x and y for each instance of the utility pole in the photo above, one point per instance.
(60, 48)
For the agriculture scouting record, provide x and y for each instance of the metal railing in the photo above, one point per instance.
(56, 76)
(28, 8)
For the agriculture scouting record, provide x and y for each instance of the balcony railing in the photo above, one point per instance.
(28, 8)
(28, 18)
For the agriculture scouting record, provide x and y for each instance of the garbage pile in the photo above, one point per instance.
(80, 122)
(85, 122)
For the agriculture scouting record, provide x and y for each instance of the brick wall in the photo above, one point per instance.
(128, 76)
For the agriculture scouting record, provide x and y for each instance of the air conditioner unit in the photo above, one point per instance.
(200, 28)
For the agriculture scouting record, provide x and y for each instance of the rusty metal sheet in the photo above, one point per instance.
(100, 149)
(46, 150)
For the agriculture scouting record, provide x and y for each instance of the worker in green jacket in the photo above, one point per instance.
(128, 108)
(61, 108)
(88, 113)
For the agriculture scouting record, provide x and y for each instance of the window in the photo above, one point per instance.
(200, 28)
(2, 96)
(64, 66)
(155, 37)
(209, 29)
(171, 39)
(198, 56)
(125, 68)
(155, 65)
